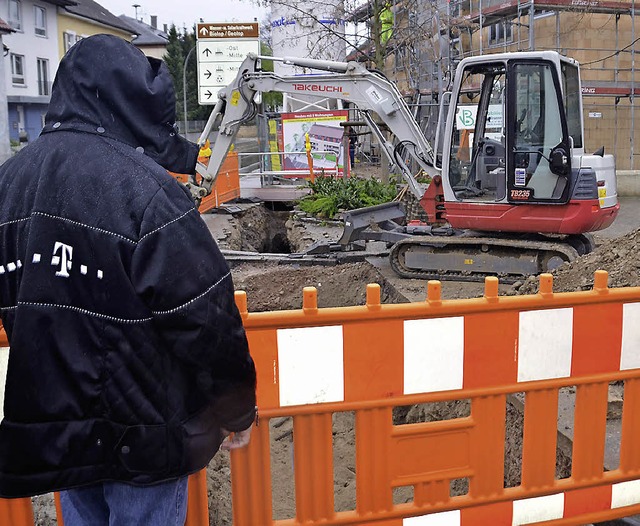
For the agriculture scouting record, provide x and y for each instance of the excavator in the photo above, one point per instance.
(511, 193)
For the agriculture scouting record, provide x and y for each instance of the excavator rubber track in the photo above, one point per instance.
(473, 258)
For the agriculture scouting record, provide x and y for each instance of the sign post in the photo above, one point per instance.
(221, 48)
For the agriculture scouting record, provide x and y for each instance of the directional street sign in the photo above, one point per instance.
(221, 48)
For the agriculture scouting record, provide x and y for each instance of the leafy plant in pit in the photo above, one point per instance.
(333, 194)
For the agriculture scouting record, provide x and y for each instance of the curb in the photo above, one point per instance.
(628, 183)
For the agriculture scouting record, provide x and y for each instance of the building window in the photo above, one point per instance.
(70, 38)
(43, 77)
(17, 69)
(15, 14)
(40, 21)
(500, 33)
(572, 107)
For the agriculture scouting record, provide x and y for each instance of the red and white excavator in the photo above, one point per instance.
(513, 192)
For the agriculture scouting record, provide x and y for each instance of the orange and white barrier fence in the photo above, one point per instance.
(368, 360)
(227, 185)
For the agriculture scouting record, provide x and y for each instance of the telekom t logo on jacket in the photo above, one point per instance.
(62, 259)
(62, 255)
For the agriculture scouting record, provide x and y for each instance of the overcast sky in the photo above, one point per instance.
(187, 12)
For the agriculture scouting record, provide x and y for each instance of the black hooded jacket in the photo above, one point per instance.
(127, 352)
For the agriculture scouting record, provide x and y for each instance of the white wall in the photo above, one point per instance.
(5, 148)
(298, 30)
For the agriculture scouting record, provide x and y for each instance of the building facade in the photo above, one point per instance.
(5, 148)
(307, 29)
(29, 64)
(43, 30)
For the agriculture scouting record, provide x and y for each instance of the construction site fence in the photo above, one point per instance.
(367, 361)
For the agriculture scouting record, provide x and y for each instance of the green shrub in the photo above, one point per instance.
(333, 194)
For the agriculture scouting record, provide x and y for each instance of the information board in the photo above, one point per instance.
(221, 48)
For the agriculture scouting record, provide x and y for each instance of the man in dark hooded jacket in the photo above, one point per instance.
(128, 361)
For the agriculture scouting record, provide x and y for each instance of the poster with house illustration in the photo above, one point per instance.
(325, 135)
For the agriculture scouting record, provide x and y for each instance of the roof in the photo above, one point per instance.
(503, 8)
(147, 35)
(61, 3)
(5, 28)
(323, 130)
(94, 11)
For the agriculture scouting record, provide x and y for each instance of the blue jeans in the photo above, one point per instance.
(119, 504)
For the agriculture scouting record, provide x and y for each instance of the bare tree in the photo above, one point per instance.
(383, 33)
(406, 39)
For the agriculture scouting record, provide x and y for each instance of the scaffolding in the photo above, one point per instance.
(599, 34)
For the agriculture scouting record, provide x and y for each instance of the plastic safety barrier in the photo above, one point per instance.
(370, 359)
(227, 185)
(313, 363)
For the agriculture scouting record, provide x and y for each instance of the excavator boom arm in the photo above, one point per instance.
(348, 81)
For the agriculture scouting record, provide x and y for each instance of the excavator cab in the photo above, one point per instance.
(509, 134)
(510, 138)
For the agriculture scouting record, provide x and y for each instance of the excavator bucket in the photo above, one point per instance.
(383, 218)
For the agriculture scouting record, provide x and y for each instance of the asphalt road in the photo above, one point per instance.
(627, 221)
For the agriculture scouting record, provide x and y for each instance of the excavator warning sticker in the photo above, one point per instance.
(602, 193)
(235, 97)
(374, 95)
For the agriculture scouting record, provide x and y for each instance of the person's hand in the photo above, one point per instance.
(236, 440)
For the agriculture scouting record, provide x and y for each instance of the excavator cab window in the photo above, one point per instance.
(539, 156)
(477, 164)
(572, 101)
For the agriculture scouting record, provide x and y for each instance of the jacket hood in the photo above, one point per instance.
(106, 86)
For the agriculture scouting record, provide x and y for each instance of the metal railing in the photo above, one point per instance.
(270, 174)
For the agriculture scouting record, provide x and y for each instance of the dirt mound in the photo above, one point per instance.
(279, 287)
(620, 257)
